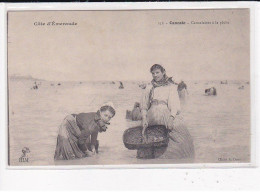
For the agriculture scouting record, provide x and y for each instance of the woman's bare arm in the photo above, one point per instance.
(145, 103)
(94, 141)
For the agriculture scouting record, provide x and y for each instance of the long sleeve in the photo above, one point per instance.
(173, 101)
(94, 138)
(83, 139)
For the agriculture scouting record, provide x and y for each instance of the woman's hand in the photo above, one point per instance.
(93, 152)
(103, 128)
(145, 124)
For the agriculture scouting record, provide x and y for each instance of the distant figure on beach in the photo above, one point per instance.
(224, 82)
(35, 87)
(78, 133)
(160, 105)
(143, 86)
(59, 84)
(211, 91)
(128, 114)
(182, 91)
(135, 114)
(121, 85)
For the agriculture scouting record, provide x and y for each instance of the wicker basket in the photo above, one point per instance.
(156, 136)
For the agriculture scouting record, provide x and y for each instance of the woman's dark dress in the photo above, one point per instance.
(74, 135)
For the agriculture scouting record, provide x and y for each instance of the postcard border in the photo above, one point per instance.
(133, 6)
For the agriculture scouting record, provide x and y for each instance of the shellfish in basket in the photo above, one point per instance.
(156, 136)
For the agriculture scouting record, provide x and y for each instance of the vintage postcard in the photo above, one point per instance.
(129, 87)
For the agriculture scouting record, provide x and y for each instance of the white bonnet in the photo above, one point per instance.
(109, 104)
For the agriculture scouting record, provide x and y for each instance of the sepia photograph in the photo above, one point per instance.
(128, 87)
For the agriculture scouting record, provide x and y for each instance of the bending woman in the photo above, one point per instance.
(161, 106)
(78, 133)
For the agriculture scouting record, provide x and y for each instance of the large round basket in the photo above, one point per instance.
(156, 136)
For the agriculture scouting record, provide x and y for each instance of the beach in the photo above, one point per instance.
(219, 125)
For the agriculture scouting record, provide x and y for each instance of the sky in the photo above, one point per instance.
(123, 45)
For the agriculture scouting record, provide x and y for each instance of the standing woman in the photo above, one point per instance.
(161, 106)
(78, 133)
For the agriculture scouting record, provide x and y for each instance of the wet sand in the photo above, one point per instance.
(219, 125)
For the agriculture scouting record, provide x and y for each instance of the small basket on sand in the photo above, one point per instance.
(156, 136)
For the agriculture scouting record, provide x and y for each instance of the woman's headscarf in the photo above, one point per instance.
(163, 82)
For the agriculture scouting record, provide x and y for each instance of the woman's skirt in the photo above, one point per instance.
(180, 144)
(67, 147)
